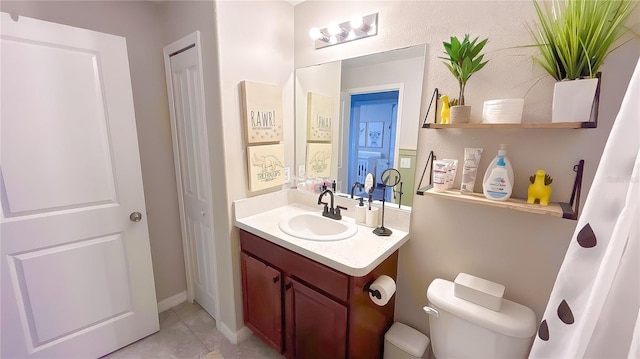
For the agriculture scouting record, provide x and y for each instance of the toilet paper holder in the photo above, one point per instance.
(374, 292)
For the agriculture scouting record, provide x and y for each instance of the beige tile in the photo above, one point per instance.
(188, 331)
(175, 341)
(185, 309)
(168, 318)
(252, 348)
(204, 328)
(213, 355)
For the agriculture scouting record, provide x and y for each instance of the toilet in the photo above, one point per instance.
(462, 329)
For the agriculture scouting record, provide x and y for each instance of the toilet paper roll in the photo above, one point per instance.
(386, 286)
(372, 217)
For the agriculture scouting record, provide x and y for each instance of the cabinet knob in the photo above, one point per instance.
(288, 286)
(276, 279)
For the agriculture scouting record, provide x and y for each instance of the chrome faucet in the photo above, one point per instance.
(333, 213)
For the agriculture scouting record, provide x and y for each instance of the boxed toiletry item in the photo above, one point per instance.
(479, 291)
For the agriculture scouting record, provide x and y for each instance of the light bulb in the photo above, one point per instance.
(315, 33)
(352, 35)
(334, 29)
(333, 39)
(356, 22)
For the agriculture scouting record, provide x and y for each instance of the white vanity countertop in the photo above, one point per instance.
(355, 256)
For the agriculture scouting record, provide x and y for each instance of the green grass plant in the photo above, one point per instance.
(464, 59)
(575, 36)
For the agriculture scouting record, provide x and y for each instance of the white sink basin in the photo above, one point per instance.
(315, 227)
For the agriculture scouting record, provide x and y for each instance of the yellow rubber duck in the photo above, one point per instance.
(446, 112)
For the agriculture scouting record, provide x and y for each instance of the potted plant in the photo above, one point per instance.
(463, 60)
(574, 38)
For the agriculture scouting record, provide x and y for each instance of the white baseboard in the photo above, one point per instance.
(233, 337)
(172, 301)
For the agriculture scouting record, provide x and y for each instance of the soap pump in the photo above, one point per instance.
(497, 185)
(361, 212)
(494, 163)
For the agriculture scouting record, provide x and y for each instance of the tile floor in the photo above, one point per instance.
(187, 331)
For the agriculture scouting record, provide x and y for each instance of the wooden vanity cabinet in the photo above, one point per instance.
(316, 324)
(262, 300)
(306, 310)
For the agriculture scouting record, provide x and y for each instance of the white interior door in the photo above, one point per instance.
(191, 154)
(76, 274)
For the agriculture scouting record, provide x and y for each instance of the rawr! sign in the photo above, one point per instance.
(319, 117)
(262, 106)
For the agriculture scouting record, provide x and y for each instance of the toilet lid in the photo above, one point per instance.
(513, 319)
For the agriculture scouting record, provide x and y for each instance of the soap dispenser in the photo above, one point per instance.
(371, 214)
(494, 163)
(497, 185)
(361, 212)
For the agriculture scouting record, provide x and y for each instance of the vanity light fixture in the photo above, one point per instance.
(358, 27)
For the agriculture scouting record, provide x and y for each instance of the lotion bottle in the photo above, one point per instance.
(507, 164)
(497, 186)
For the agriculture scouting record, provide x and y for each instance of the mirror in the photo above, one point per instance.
(389, 178)
(358, 116)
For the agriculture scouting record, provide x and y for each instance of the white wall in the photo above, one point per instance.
(520, 250)
(180, 19)
(255, 43)
(141, 23)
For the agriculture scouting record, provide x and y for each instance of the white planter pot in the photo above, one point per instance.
(460, 114)
(573, 100)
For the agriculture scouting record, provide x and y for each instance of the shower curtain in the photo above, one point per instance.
(594, 308)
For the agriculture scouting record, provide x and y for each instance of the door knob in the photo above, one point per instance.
(135, 216)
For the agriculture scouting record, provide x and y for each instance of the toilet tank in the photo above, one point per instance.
(462, 329)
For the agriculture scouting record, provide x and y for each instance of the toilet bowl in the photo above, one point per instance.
(461, 329)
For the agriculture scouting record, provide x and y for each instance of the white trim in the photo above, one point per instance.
(172, 301)
(233, 337)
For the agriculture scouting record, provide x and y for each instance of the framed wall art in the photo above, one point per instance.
(374, 134)
(319, 117)
(362, 135)
(262, 112)
(318, 159)
(266, 166)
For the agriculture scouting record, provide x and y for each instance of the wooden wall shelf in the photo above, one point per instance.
(562, 210)
(558, 209)
(574, 125)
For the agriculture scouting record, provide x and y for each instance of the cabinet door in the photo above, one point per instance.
(262, 300)
(316, 326)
